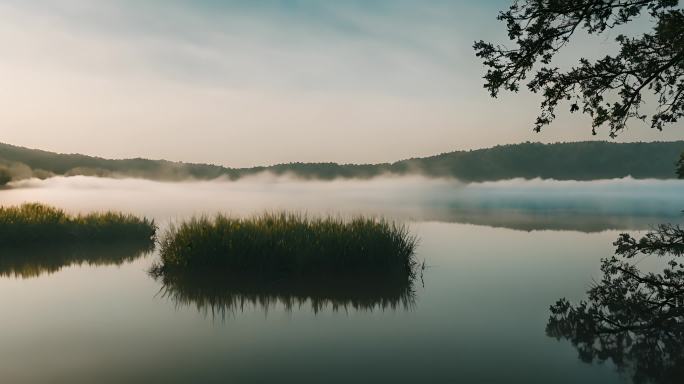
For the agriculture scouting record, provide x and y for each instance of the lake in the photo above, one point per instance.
(497, 255)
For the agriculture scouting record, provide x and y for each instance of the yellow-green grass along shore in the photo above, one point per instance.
(33, 223)
(288, 245)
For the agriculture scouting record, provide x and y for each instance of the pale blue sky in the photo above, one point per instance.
(259, 82)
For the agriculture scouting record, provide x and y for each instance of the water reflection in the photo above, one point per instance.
(633, 318)
(219, 295)
(647, 353)
(555, 220)
(589, 206)
(35, 260)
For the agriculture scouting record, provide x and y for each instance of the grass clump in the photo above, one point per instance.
(288, 245)
(33, 223)
(222, 264)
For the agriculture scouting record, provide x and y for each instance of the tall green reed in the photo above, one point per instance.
(33, 223)
(288, 244)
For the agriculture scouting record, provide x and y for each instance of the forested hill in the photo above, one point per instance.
(561, 161)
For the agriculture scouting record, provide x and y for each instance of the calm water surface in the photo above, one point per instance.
(497, 256)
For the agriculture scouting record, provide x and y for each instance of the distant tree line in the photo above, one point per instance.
(562, 161)
(5, 176)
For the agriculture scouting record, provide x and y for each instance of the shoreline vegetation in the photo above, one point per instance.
(222, 263)
(288, 245)
(590, 160)
(33, 223)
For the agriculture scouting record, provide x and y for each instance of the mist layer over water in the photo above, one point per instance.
(482, 302)
(519, 204)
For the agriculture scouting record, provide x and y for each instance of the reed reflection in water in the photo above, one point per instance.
(35, 260)
(219, 294)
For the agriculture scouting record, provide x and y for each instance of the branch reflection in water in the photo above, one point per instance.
(632, 318)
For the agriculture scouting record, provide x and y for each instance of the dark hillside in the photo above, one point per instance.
(563, 161)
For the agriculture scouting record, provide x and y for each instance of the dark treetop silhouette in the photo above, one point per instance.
(634, 319)
(611, 89)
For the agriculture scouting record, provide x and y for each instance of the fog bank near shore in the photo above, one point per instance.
(519, 204)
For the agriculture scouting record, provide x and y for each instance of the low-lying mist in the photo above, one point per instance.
(519, 204)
